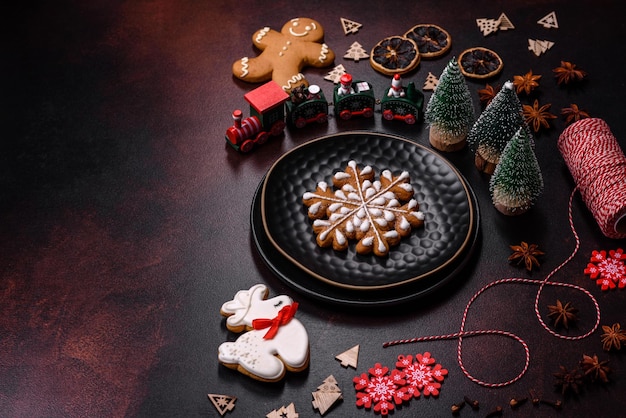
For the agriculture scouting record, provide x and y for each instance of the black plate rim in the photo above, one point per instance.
(427, 275)
(343, 297)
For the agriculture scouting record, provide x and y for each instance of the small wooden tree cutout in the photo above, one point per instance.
(356, 52)
(549, 21)
(223, 403)
(487, 26)
(288, 411)
(349, 357)
(350, 26)
(505, 23)
(431, 82)
(538, 47)
(335, 74)
(327, 394)
(329, 385)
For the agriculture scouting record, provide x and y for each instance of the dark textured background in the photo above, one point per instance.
(124, 216)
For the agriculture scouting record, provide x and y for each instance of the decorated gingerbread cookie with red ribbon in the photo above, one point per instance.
(274, 341)
(285, 53)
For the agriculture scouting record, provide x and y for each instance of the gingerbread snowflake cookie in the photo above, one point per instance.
(376, 213)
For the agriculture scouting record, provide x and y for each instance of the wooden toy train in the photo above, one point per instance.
(271, 108)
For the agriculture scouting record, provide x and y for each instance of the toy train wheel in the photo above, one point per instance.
(345, 114)
(368, 112)
(247, 145)
(388, 114)
(261, 138)
(410, 120)
(322, 118)
(300, 123)
(277, 128)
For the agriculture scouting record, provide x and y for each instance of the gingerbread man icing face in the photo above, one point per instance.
(285, 53)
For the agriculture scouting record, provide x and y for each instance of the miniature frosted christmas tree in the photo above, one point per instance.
(450, 111)
(495, 127)
(516, 182)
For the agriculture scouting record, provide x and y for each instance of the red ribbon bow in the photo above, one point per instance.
(283, 318)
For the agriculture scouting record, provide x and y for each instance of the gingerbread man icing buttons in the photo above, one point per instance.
(285, 53)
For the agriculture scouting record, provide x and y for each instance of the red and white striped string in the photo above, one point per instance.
(514, 280)
(598, 166)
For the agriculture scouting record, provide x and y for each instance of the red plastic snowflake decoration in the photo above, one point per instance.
(382, 389)
(412, 377)
(608, 272)
(422, 376)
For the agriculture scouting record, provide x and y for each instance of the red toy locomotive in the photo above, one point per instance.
(267, 118)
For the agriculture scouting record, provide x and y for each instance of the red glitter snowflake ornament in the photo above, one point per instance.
(608, 272)
(381, 388)
(422, 376)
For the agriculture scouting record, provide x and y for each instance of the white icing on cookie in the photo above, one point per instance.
(244, 67)
(295, 79)
(340, 175)
(315, 208)
(323, 53)
(295, 23)
(284, 48)
(262, 34)
(265, 359)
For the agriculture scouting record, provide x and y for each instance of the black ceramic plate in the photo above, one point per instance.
(319, 290)
(440, 190)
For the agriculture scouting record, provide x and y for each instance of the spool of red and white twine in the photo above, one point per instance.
(598, 166)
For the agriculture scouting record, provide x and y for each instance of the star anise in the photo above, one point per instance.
(526, 82)
(487, 94)
(613, 337)
(536, 116)
(568, 380)
(594, 368)
(562, 314)
(526, 253)
(573, 113)
(568, 72)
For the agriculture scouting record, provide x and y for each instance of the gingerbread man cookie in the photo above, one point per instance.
(285, 53)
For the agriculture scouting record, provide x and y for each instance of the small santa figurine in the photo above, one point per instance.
(396, 89)
(345, 85)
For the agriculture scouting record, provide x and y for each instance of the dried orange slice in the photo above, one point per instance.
(395, 55)
(479, 62)
(432, 40)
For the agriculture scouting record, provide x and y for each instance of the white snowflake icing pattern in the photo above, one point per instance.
(364, 209)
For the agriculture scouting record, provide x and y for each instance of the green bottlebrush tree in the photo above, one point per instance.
(516, 181)
(450, 111)
(495, 127)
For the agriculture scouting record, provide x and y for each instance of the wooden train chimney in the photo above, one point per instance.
(237, 118)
